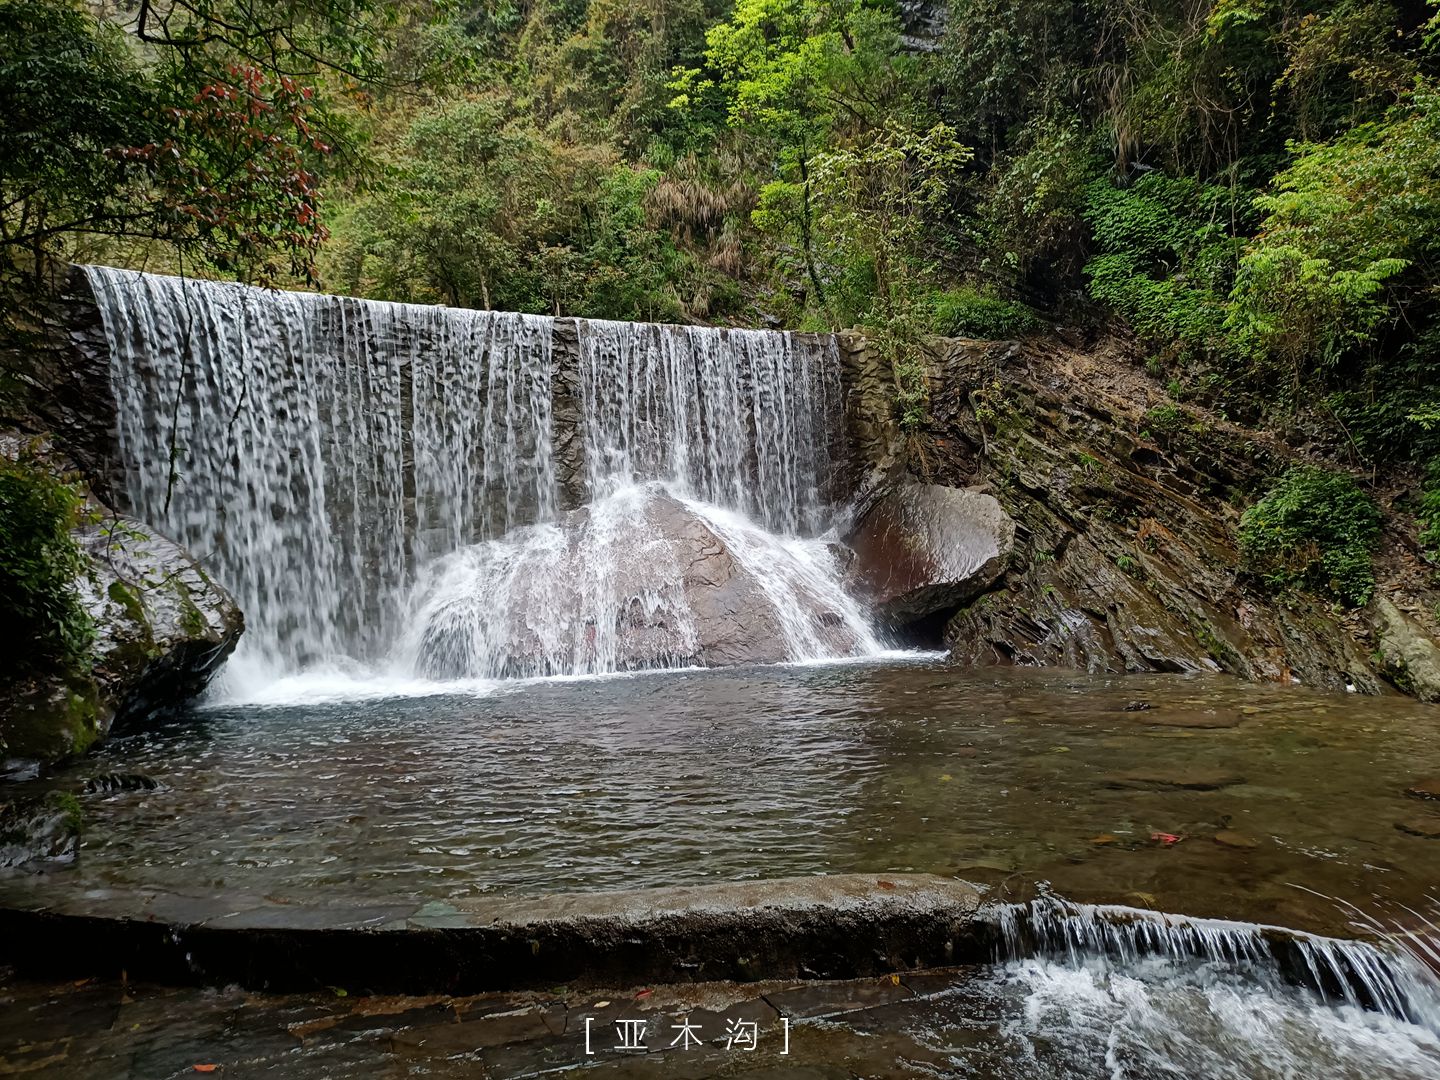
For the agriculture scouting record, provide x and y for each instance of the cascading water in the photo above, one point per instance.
(1108, 991)
(388, 482)
(1358, 974)
(736, 418)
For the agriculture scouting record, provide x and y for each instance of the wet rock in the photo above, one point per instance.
(46, 828)
(926, 548)
(637, 580)
(162, 629)
(163, 626)
(1137, 706)
(1197, 779)
(1428, 788)
(1412, 658)
(109, 783)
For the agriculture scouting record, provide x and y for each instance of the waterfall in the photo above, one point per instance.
(1390, 980)
(735, 418)
(425, 487)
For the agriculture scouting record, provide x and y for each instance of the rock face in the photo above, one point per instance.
(1125, 508)
(924, 548)
(639, 579)
(1412, 659)
(162, 628)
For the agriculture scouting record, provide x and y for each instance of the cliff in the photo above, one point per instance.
(1126, 507)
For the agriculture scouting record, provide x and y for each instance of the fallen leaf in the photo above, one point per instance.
(601, 1004)
(205, 1068)
(885, 884)
(643, 994)
(894, 980)
(1104, 838)
(945, 778)
(1165, 838)
(340, 991)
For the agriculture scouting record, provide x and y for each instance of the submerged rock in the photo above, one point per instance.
(639, 579)
(1231, 838)
(1422, 825)
(1195, 779)
(162, 628)
(925, 548)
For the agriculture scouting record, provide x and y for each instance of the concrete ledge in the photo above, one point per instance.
(845, 926)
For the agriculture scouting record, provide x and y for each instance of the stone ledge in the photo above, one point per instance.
(839, 927)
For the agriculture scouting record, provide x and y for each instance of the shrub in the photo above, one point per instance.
(1313, 528)
(1429, 512)
(973, 314)
(38, 568)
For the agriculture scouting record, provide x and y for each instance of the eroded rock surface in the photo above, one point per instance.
(924, 548)
(1125, 508)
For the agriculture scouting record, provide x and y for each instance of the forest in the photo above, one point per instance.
(1247, 189)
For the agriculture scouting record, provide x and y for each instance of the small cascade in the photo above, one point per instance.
(402, 485)
(1362, 974)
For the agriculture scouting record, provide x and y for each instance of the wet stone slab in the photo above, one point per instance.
(820, 927)
(93, 1028)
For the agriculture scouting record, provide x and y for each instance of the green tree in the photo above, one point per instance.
(800, 75)
(1343, 225)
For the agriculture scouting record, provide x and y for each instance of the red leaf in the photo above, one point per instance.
(1165, 838)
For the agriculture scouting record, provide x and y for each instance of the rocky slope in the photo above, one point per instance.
(1125, 506)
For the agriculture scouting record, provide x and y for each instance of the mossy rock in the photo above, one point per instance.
(52, 721)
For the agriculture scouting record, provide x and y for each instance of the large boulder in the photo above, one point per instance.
(639, 579)
(927, 548)
(162, 629)
(1408, 655)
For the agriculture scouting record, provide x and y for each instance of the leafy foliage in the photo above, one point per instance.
(205, 139)
(967, 312)
(1429, 512)
(1166, 255)
(1344, 222)
(40, 568)
(1314, 528)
